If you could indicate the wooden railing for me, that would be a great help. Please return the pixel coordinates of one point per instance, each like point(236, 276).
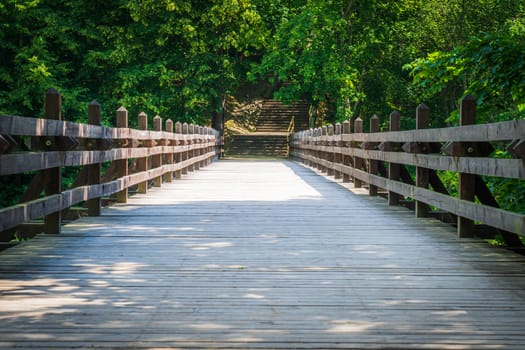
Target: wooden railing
point(379, 159)
point(138, 157)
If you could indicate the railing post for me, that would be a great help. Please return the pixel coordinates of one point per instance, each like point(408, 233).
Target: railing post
point(205, 134)
point(394, 170)
point(93, 170)
point(358, 162)
point(142, 163)
point(122, 164)
point(338, 158)
point(197, 151)
point(330, 154)
point(157, 158)
point(422, 174)
point(53, 176)
point(178, 155)
point(187, 144)
point(346, 158)
point(323, 154)
point(191, 131)
point(168, 157)
point(373, 167)
point(467, 182)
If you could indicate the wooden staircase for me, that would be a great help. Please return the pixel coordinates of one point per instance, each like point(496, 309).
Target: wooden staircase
point(274, 122)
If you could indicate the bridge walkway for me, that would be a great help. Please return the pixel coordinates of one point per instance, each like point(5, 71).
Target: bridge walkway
point(259, 254)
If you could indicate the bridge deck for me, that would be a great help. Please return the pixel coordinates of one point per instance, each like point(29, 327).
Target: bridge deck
point(265, 254)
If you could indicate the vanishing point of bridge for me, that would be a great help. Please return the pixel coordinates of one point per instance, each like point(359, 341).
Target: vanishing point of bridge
point(264, 254)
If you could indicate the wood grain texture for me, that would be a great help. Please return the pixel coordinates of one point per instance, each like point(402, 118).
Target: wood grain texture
point(263, 255)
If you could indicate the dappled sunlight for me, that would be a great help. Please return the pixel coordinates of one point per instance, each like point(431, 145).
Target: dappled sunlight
point(118, 268)
point(209, 326)
point(253, 296)
point(352, 326)
point(206, 246)
point(258, 260)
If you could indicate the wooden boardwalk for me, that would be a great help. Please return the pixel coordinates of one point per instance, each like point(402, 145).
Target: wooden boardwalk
point(259, 254)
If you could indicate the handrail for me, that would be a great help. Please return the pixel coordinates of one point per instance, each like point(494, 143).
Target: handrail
point(379, 159)
point(159, 156)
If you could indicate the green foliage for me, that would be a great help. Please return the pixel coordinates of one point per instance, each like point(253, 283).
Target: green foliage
point(173, 58)
point(491, 67)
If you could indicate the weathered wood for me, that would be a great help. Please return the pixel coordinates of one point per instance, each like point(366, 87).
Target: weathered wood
point(393, 168)
point(422, 174)
point(156, 160)
point(501, 219)
point(498, 167)
point(94, 205)
point(485, 197)
point(346, 158)
point(330, 156)
point(143, 162)
point(122, 164)
point(517, 149)
point(207, 264)
point(53, 176)
point(373, 167)
point(358, 162)
point(502, 131)
point(467, 182)
point(168, 158)
point(7, 144)
point(186, 154)
point(178, 156)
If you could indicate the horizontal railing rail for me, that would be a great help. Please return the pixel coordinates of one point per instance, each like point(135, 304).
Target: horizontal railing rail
point(136, 157)
point(379, 159)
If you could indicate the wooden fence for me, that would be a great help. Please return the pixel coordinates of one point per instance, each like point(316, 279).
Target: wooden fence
point(138, 157)
point(379, 159)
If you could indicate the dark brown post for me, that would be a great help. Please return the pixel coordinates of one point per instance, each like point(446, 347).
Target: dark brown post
point(358, 162)
point(338, 158)
point(394, 170)
point(187, 144)
point(93, 170)
point(122, 164)
point(191, 132)
point(323, 155)
point(197, 151)
point(168, 157)
point(142, 163)
point(205, 133)
point(467, 182)
point(330, 154)
point(346, 159)
point(53, 176)
point(157, 159)
point(373, 167)
point(178, 155)
point(422, 174)
point(309, 143)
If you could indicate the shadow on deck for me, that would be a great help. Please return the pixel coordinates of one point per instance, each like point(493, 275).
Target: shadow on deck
point(270, 256)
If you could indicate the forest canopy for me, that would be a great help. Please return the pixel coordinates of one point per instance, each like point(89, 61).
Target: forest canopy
point(180, 58)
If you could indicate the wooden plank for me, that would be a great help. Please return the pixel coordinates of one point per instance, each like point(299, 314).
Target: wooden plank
point(497, 167)
point(302, 263)
point(498, 218)
point(26, 126)
point(24, 212)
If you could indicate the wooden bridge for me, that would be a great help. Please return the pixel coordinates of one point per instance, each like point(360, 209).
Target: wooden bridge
point(260, 254)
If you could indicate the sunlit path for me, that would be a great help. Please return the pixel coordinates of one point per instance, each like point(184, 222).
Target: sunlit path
point(259, 254)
